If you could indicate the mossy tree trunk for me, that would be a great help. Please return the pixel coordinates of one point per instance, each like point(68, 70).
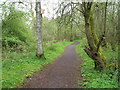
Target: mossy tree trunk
point(93, 49)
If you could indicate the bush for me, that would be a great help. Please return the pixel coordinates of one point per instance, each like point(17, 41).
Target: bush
point(15, 31)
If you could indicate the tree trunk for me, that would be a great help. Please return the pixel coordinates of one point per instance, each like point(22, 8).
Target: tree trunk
point(104, 33)
point(118, 22)
point(40, 51)
point(93, 41)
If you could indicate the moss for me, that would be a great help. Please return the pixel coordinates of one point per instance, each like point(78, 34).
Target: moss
point(92, 38)
point(113, 65)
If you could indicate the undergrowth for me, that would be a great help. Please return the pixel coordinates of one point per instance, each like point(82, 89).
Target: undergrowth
point(93, 78)
point(17, 66)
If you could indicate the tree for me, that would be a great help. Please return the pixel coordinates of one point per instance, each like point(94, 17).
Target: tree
point(40, 51)
point(15, 31)
point(94, 39)
point(93, 49)
point(118, 27)
point(70, 21)
point(106, 23)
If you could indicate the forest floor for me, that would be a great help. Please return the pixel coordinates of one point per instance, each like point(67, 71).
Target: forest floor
point(64, 72)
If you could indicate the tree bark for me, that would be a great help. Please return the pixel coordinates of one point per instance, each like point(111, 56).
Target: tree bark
point(92, 39)
point(40, 51)
point(104, 33)
point(119, 21)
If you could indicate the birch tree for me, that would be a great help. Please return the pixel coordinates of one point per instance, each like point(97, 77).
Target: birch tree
point(40, 50)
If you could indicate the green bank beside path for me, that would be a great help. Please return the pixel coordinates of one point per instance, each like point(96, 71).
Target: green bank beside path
point(17, 67)
point(93, 78)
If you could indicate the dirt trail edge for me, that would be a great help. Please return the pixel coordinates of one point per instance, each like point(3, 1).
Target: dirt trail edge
point(63, 73)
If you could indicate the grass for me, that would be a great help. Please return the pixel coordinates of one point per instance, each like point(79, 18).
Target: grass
point(93, 78)
point(17, 66)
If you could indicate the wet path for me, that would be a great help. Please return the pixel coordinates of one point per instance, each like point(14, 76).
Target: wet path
point(63, 73)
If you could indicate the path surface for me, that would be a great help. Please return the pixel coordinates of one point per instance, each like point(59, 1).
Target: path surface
point(63, 73)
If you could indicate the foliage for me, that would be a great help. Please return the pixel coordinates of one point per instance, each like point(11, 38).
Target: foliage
point(18, 66)
point(19, 45)
point(15, 30)
point(49, 29)
point(70, 23)
point(93, 78)
point(111, 22)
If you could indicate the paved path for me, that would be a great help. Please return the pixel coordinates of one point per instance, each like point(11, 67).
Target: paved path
point(63, 73)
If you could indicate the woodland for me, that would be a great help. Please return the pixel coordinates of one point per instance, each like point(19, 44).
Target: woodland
point(31, 41)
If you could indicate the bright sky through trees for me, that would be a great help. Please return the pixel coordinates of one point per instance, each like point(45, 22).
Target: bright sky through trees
point(50, 6)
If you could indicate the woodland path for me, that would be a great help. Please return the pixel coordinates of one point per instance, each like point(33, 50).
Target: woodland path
point(63, 73)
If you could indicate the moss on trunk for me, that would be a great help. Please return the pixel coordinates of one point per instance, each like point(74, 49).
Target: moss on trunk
point(92, 39)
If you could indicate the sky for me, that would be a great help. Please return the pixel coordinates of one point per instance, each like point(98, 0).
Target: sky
point(50, 6)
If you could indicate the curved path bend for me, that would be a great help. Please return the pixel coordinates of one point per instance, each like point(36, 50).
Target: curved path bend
point(63, 73)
